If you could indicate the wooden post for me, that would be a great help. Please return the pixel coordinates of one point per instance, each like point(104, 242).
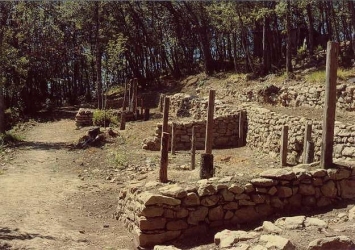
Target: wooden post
point(142, 104)
point(309, 157)
point(283, 149)
point(326, 160)
point(209, 123)
point(161, 102)
point(166, 114)
point(163, 173)
point(164, 128)
point(146, 114)
point(307, 138)
point(173, 135)
point(123, 121)
point(241, 129)
point(193, 149)
point(124, 104)
point(206, 169)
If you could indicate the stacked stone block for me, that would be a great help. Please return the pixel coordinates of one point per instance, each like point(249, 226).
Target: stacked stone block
point(173, 211)
point(225, 133)
point(264, 133)
point(84, 117)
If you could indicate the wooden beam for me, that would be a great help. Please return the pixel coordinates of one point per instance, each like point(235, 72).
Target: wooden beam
point(283, 149)
point(209, 123)
point(326, 160)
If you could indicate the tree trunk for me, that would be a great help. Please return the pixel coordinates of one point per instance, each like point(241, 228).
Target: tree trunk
point(288, 44)
point(98, 58)
point(2, 110)
point(310, 30)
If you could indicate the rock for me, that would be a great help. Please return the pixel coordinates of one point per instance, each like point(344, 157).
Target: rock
point(347, 189)
point(246, 214)
point(148, 240)
point(352, 213)
point(151, 223)
point(206, 189)
point(277, 242)
point(295, 222)
point(216, 213)
point(337, 242)
point(263, 182)
point(176, 225)
point(209, 201)
point(152, 211)
point(147, 199)
point(315, 222)
point(227, 195)
point(271, 228)
point(329, 189)
point(157, 247)
point(306, 189)
point(284, 192)
point(227, 238)
point(279, 174)
point(197, 215)
point(236, 189)
point(173, 191)
point(191, 199)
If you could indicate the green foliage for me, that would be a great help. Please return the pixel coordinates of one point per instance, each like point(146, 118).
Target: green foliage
point(344, 74)
point(105, 118)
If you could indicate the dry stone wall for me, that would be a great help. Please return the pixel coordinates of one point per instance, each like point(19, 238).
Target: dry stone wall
point(225, 133)
point(308, 96)
point(264, 133)
point(158, 215)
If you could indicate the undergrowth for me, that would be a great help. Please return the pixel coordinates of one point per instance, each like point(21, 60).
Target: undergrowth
point(105, 118)
point(9, 138)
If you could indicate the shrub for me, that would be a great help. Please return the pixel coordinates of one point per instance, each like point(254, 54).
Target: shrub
point(9, 138)
point(105, 118)
point(316, 77)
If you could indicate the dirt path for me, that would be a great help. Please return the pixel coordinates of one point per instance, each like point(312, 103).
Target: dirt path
point(43, 203)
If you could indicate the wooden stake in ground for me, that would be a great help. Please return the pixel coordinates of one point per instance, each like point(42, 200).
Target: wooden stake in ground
point(241, 129)
point(193, 148)
point(130, 92)
point(161, 102)
point(209, 123)
point(309, 152)
point(166, 114)
point(173, 135)
point(146, 114)
point(206, 169)
point(124, 104)
point(163, 173)
point(326, 160)
point(283, 149)
point(123, 121)
point(307, 138)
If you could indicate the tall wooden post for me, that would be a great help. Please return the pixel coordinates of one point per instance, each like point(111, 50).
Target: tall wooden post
point(161, 102)
point(241, 129)
point(193, 149)
point(326, 160)
point(124, 104)
point(283, 149)
point(307, 138)
point(209, 123)
point(163, 173)
point(123, 121)
point(173, 139)
point(166, 114)
point(165, 117)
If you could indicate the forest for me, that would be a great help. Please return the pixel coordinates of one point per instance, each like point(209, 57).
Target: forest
point(73, 51)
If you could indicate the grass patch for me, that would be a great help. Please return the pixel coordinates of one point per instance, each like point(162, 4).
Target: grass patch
point(344, 74)
point(237, 77)
point(316, 77)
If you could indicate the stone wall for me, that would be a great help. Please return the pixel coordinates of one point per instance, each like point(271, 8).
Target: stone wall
point(225, 133)
point(158, 215)
point(308, 96)
point(264, 133)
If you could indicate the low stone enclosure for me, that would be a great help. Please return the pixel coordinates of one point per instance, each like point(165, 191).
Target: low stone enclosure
point(262, 130)
point(159, 213)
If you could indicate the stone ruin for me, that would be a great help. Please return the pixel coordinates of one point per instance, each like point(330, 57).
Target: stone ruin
point(84, 117)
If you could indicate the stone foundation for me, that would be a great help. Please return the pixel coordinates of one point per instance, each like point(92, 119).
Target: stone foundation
point(161, 213)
